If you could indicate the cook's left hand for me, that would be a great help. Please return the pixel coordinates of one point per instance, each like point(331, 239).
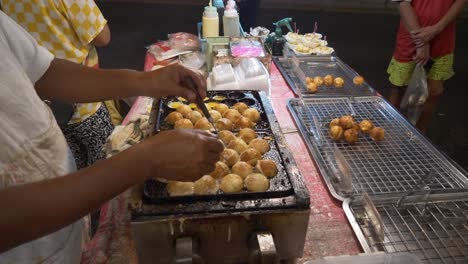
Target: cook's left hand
point(424, 35)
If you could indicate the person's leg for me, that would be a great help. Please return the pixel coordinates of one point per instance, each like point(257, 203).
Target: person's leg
point(396, 95)
point(435, 89)
point(399, 76)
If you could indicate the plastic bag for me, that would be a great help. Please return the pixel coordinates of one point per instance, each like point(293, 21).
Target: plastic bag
point(183, 41)
point(415, 95)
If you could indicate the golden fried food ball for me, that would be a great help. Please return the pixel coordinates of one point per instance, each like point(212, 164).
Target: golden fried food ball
point(194, 116)
point(336, 133)
point(312, 87)
point(184, 109)
point(230, 157)
point(366, 126)
point(335, 122)
point(226, 136)
point(346, 122)
point(351, 136)
point(267, 168)
point(232, 183)
point(318, 81)
point(328, 80)
point(260, 144)
point(247, 134)
point(232, 114)
point(257, 182)
point(309, 80)
point(356, 127)
point(377, 133)
point(215, 115)
point(221, 108)
point(203, 124)
point(251, 156)
point(358, 80)
point(183, 123)
point(339, 82)
point(224, 124)
point(221, 169)
point(206, 185)
point(238, 145)
point(243, 122)
point(252, 114)
point(173, 117)
point(177, 188)
point(241, 107)
point(242, 169)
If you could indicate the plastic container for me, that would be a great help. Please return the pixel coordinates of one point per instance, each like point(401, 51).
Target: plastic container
point(374, 258)
point(231, 20)
point(210, 22)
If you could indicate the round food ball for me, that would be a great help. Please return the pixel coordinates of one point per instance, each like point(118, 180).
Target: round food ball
point(339, 82)
point(260, 144)
point(221, 108)
point(215, 115)
point(351, 136)
point(247, 134)
point(203, 124)
point(238, 145)
point(242, 169)
point(173, 117)
point(309, 80)
point(335, 122)
point(336, 133)
point(366, 126)
point(230, 157)
point(224, 124)
point(312, 87)
point(183, 123)
point(206, 185)
point(226, 136)
point(194, 116)
point(221, 169)
point(318, 81)
point(241, 107)
point(232, 114)
point(257, 182)
point(252, 114)
point(232, 183)
point(267, 168)
point(377, 133)
point(251, 156)
point(177, 188)
point(243, 122)
point(358, 80)
point(184, 109)
point(346, 122)
point(328, 80)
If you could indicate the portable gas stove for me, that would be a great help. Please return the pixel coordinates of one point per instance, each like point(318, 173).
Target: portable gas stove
point(262, 227)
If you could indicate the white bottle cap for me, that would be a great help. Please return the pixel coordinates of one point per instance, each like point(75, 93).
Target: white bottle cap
point(230, 10)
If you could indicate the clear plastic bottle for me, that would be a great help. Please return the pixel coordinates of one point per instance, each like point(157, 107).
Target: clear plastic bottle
point(231, 20)
point(210, 22)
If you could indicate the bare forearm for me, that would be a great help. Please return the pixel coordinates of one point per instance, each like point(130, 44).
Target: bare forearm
point(408, 16)
point(452, 13)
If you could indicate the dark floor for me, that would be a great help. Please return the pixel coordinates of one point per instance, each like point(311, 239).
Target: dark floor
point(364, 41)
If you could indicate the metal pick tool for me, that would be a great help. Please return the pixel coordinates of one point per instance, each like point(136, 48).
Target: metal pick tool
point(199, 101)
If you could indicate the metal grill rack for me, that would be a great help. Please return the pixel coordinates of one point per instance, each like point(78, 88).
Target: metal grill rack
point(398, 164)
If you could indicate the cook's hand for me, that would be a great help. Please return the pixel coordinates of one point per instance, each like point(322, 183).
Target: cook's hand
point(422, 55)
point(182, 154)
point(424, 35)
point(172, 81)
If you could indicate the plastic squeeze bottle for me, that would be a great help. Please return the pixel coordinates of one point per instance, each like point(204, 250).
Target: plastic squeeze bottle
point(231, 20)
point(210, 22)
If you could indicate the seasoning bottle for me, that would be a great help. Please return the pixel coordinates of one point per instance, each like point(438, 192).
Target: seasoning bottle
point(210, 22)
point(231, 20)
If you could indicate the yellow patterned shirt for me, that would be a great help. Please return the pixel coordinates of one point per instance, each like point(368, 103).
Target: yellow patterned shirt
point(65, 27)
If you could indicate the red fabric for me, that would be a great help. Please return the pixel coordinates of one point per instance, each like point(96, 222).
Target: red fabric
point(429, 12)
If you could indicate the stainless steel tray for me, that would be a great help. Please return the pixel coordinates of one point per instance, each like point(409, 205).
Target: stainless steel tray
point(404, 161)
point(296, 69)
point(434, 228)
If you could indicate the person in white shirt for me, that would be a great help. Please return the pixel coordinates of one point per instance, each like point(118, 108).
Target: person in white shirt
point(42, 197)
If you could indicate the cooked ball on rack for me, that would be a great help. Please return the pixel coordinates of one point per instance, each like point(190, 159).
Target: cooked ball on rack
point(377, 133)
point(173, 117)
point(194, 116)
point(339, 82)
point(356, 127)
point(366, 126)
point(252, 114)
point(251, 156)
point(232, 114)
point(257, 182)
point(312, 87)
point(328, 80)
point(346, 122)
point(211, 105)
point(224, 124)
point(358, 80)
point(226, 136)
point(247, 134)
point(215, 115)
point(238, 145)
point(184, 109)
point(241, 107)
point(183, 123)
point(243, 122)
point(335, 122)
point(206, 185)
point(242, 169)
point(177, 188)
point(309, 80)
point(336, 133)
point(318, 81)
point(260, 144)
point(267, 168)
point(221, 169)
point(232, 183)
point(351, 136)
point(221, 108)
point(203, 124)
point(230, 156)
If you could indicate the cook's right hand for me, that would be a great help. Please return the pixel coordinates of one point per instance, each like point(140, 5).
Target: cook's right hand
point(183, 154)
